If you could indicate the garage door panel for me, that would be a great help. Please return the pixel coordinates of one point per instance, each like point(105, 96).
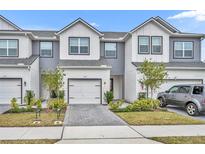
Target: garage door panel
point(10, 88)
point(84, 91)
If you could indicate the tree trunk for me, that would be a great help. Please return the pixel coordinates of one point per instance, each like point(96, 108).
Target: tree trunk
point(151, 92)
point(147, 88)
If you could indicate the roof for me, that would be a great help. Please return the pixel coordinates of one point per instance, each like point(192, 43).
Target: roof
point(77, 21)
point(177, 64)
point(43, 33)
point(82, 62)
point(114, 35)
point(149, 20)
point(17, 61)
point(10, 23)
point(166, 24)
point(51, 34)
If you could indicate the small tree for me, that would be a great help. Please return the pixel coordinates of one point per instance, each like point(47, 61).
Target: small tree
point(53, 80)
point(153, 75)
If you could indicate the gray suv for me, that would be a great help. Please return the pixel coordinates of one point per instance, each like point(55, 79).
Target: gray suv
point(189, 96)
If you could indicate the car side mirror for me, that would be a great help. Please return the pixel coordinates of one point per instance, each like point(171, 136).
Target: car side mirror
point(167, 91)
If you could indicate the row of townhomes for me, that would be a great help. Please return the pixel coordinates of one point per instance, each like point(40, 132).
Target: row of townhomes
point(94, 61)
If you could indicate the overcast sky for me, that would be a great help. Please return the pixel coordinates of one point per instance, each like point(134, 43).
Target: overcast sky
point(186, 21)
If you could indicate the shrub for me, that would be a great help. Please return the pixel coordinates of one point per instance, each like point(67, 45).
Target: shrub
point(143, 105)
point(142, 95)
point(39, 104)
point(61, 94)
point(55, 104)
point(14, 105)
point(108, 96)
point(115, 105)
point(29, 98)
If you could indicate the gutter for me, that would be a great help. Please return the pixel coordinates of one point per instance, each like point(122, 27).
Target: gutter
point(15, 66)
point(182, 68)
point(86, 67)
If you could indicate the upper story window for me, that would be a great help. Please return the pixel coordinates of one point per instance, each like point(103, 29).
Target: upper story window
point(183, 49)
point(156, 44)
point(79, 45)
point(46, 49)
point(8, 48)
point(143, 44)
point(110, 50)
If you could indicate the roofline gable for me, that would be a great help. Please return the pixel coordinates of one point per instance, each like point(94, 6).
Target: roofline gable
point(10, 23)
point(168, 24)
point(146, 22)
point(83, 22)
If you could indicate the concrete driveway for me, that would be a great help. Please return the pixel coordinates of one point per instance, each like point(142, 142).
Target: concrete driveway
point(4, 108)
point(91, 115)
point(182, 111)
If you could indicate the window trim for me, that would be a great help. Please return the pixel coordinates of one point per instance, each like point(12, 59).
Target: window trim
point(174, 57)
point(17, 54)
point(161, 48)
point(85, 54)
point(110, 57)
point(145, 53)
point(40, 50)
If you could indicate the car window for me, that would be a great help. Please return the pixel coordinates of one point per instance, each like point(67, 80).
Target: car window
point(198, 90)
point(184, 89)
point(173, 89)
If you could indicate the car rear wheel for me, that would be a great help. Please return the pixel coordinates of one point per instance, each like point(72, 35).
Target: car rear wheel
point(162, 102)
point(192, 109)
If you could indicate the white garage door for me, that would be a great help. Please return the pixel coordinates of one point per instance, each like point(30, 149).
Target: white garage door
point(84, 91)
point(169, 83)
point(10, 88)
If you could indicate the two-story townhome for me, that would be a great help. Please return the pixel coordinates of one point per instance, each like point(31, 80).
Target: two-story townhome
point(93, 61)
point(19, 68)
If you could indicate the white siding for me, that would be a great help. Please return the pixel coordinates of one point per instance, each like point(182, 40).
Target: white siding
point(130, 73)
point(5, 26)
point(25, 44)
point(103, 74)
point(150, 29)
point(34, 76)
point(80, 30)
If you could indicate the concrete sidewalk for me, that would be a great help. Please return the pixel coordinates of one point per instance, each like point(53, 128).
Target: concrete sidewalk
point(20, 133)
point(170, 130)
point(99, 132)
point(110, 141)
point(110, 134)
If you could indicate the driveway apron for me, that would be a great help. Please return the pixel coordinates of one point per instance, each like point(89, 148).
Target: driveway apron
point(91, 115)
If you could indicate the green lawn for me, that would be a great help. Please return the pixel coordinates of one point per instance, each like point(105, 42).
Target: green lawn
point(26, 119)
point(181, 140)
point(157, 118)
point(42, 141)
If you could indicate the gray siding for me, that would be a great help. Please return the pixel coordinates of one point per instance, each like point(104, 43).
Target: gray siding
point(117, 63)
point(197, 50)
point(47, 63)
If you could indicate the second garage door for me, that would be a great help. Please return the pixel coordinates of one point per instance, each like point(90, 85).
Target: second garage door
point(84, 91)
